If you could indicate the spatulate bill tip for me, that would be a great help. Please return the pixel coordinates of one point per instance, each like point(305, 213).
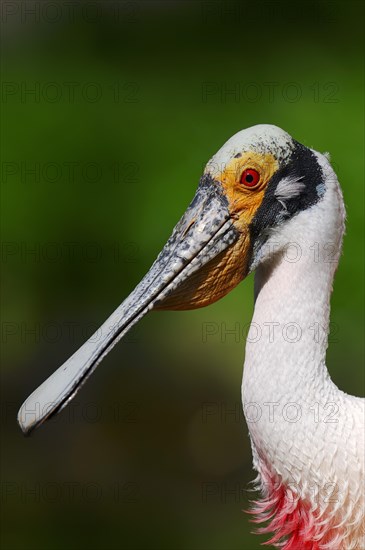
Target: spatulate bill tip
point(26, 428)
point(31, 416)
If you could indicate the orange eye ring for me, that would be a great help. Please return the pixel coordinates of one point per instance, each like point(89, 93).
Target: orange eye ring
point(250, 178)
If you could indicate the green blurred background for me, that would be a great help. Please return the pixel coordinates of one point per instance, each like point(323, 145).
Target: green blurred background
point(110, 111)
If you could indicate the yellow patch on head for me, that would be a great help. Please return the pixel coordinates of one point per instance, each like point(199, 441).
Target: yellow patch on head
point(244, 202)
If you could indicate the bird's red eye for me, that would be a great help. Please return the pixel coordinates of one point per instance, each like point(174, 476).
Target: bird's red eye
point(250, 178)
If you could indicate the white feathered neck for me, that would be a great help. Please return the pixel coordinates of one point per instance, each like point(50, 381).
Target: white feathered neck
point(305, 432)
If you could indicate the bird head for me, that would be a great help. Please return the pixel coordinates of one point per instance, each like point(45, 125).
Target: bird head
point(252, 187)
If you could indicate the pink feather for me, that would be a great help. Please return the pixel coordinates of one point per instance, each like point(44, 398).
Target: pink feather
point(295, 526)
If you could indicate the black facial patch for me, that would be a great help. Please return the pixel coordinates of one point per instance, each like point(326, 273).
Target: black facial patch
point(302, 165)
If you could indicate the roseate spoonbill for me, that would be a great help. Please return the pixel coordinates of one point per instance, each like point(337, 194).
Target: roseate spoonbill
point(261, 193)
